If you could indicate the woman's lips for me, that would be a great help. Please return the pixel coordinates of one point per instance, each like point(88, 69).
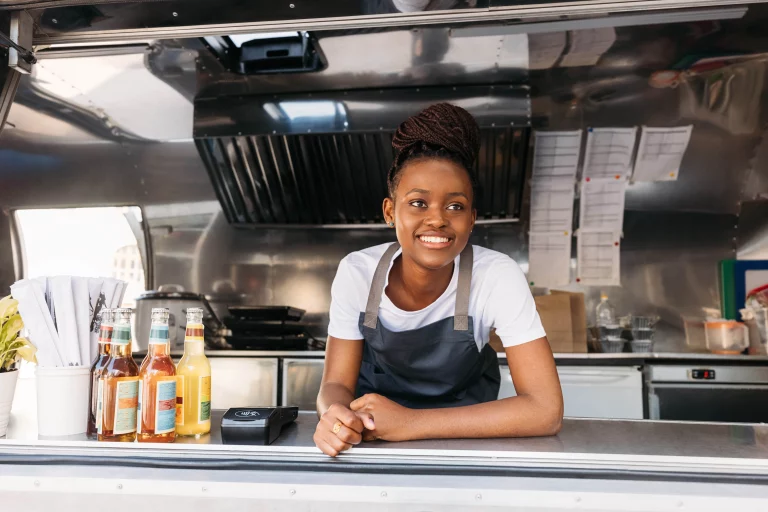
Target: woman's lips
point(435, 242)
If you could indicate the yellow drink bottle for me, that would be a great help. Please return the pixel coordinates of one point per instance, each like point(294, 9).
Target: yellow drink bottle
point(193, 390)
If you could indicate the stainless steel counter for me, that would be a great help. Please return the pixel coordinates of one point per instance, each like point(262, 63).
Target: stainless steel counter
point(590, 465)
point(629, 357)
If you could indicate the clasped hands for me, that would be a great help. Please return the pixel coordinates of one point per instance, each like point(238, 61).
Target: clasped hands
point(370, 417)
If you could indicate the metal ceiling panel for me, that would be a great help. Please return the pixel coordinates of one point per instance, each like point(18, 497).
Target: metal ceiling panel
point(354, 111)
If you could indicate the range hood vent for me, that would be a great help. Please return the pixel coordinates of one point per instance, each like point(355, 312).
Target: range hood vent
point(339, 180)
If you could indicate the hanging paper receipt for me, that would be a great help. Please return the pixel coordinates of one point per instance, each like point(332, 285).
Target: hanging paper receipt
point(549, 259)
point(661, 153)
point(602, 205)
point(556, 155)
point(598, 258)
point(609, 152)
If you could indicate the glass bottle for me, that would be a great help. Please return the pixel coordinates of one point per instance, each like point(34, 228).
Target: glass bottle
point(606, 314)
point(157, 385)
point(102, 358)
point(120, 384)
point(193, 402)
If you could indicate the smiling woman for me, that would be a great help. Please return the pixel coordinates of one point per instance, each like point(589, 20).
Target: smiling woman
point(408, 355)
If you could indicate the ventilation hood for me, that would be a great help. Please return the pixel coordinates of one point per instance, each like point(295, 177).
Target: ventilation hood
point(321, 159)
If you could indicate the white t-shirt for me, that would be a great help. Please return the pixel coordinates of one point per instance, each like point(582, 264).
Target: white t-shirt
point(499, 298)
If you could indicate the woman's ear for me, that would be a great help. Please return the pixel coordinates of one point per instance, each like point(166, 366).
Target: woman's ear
point(388, 207)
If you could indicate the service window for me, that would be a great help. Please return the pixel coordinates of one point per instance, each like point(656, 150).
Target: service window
point(88, 242)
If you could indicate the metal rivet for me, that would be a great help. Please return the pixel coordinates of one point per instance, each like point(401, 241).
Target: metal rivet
point(292, 491)
point(239, 133)
point(291, 6)
point(274, 132)
point(383, 494)
point(478, 497)
point(175, 14)
point(54, 21)
point(346, 123)
point(493, 124)
point(119, 486)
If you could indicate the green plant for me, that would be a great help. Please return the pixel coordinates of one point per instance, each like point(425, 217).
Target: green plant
point(12, 346)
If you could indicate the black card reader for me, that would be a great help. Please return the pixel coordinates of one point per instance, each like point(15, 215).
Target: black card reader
point(255, 425)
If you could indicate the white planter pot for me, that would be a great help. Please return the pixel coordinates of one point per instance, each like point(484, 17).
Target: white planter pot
point(7, 389)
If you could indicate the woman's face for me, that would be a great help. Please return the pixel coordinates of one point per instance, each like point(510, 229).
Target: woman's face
point(432, 211)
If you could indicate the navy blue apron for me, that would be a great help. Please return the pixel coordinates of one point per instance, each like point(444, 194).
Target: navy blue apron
point(434, 366)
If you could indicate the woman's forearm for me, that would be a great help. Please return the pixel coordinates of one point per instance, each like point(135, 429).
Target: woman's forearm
point(333, 393)
point(519, 416)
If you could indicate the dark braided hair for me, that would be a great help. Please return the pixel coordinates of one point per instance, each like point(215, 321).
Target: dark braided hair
point(440, 131)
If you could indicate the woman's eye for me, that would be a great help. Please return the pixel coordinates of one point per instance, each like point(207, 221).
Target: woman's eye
point(456, 206)
point(418, 203)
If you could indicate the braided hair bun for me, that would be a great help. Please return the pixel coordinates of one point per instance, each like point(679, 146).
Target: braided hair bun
point(440, 131)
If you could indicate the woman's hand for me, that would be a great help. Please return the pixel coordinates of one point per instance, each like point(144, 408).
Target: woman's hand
point(393, 421)
point(340, 428)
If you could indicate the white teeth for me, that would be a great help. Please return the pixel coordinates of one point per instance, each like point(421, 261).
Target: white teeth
point(434, 239)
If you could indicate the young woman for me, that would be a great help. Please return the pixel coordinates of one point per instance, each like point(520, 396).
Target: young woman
point(407, 354)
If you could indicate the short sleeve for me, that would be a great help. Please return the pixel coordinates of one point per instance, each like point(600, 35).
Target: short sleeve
point(510, 307)
point(345, 304)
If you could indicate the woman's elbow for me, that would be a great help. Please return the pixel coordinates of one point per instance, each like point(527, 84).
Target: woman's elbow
point(552, 419)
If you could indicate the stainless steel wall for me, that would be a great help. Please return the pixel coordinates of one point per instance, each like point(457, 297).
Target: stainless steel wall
point(674, 232)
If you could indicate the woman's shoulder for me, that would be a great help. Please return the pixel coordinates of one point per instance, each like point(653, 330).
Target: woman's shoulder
point(485, 258)
point(491, 266)
point(362, 264)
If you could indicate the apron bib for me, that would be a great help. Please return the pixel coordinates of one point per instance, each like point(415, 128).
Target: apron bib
point(434, 366)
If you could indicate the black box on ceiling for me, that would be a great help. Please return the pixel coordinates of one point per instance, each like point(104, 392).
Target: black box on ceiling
point(280, 55)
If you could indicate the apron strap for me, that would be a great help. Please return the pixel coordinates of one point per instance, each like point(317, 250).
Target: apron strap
point(461, 313)
point(377, 287)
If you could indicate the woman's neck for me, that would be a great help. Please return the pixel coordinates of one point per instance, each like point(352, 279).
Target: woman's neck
point(413, 287)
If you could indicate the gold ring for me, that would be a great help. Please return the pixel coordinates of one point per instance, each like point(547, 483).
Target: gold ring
point(336, 427)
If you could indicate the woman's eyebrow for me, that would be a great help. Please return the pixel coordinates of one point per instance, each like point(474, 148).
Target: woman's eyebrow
point(458, 194)
point(418, 191)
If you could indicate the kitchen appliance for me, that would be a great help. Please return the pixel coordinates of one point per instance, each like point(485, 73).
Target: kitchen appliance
point(266, 328)
point(256, 425)
point(707, 393)
point(177, 300)
point(614, 392)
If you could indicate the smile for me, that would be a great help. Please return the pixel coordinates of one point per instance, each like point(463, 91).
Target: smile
point(435, 242)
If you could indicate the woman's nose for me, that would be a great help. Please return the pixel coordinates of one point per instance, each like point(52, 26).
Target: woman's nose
point(435, 218)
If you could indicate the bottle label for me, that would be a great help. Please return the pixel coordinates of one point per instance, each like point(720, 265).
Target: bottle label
point(159, 334)
point(138, 407)
point(126, 403)
point(99, 406)
point(165, 407)
point(204, 407)
point(105, 334)
point(121, 334)
point(194, 332)
point(179, 400)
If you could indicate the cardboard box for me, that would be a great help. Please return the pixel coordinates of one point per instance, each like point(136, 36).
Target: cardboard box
point(563, 315)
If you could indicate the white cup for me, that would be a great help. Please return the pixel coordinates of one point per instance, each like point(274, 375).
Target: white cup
point(62, 400)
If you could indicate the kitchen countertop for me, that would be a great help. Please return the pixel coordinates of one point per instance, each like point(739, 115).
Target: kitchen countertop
point(581, 358)
point(692, 450)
